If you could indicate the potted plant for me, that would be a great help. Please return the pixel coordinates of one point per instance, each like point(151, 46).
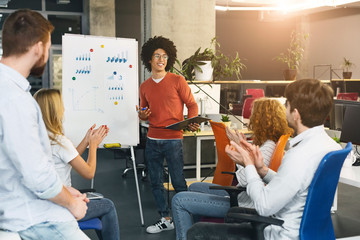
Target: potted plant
point(226, 120)
point(212, 63)
point(200, 65)
point(346, 66)
point(293, 55)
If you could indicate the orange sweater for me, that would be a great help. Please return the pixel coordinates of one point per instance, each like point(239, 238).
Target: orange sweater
point(166, 101)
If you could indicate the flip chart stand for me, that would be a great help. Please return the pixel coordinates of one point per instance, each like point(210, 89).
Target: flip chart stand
point(135, 176)
point(137, 185)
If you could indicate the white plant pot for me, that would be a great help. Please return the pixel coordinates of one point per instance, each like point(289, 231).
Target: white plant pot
point(207, 71)
point(227, 124)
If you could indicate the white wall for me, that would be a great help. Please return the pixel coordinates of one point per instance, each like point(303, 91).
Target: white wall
point(333, 35)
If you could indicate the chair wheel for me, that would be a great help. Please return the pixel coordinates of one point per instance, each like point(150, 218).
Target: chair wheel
point(124, 175)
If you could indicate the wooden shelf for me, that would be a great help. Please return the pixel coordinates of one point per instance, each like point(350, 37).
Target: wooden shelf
point(346, 80)
point(268, 82)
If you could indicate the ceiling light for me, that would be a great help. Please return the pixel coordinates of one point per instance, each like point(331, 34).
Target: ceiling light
point(284, 6)
point(221, 8)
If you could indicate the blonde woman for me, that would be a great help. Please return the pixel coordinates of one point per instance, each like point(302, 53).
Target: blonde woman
point(267, 122)
point(66, 157)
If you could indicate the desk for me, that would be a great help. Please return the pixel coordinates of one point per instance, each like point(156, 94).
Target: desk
point(350, 175)
point(206, 134)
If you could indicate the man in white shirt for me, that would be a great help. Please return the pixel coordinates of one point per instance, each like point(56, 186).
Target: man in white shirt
point(308, 104)
point(33, 201)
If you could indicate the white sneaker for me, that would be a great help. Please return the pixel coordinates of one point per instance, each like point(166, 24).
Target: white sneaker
point(161, 225)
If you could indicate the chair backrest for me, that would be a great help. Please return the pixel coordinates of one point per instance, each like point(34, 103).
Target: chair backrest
point(93, 223)
point(316, 221)
point(278, 153)
point(353, 96)
point(255, 92)
point(224, 162)
point(248, 104)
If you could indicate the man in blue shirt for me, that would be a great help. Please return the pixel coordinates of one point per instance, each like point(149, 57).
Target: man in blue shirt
point(33, 201)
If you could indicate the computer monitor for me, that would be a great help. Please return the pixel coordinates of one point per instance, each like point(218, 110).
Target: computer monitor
point(338, 112)
point(350, 131)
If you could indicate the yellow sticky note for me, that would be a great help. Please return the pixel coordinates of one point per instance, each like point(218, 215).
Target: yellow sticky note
point(112, 145)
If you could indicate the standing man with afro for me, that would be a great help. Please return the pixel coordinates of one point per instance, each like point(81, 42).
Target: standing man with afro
point(162, 99)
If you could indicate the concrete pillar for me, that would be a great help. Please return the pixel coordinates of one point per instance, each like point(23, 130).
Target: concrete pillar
point(102, 17)
point(189, 23)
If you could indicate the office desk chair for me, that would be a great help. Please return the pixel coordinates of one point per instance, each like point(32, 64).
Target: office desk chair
point(224, 162)
point(93, 223)
point(278, 153)
point(316, 221)
point(274, 164)
point(255, 92)
point(140, 157)
point(248, 105)
point(352, 96)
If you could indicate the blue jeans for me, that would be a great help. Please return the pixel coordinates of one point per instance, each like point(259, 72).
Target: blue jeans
point(172, 151)
point(199, 200)
point(104, 209)
point(55, 231)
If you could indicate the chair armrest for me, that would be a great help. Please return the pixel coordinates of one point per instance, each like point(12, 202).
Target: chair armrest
point(229, 188)
point(241, 214)
point(233, 191)
point(245, 217)
point(87, 190)
point(243, 210)
point(231, 173)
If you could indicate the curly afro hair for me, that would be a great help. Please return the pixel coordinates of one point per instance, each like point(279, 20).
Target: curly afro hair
point(155, 43)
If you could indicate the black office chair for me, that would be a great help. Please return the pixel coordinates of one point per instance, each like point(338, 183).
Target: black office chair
point(140, 163)
point(316, 221)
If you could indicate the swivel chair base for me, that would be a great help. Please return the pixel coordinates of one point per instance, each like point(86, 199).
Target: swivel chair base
point(140, 166)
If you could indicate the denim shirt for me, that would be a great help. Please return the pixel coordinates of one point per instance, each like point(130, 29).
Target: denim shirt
point(27, 174)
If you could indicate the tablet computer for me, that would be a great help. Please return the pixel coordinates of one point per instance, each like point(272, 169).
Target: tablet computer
point(183, 124)
point(94, 195)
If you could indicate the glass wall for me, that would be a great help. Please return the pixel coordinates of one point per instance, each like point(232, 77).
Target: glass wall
point(67, 16)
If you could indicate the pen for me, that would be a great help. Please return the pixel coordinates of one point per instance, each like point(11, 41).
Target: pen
point(144, 108)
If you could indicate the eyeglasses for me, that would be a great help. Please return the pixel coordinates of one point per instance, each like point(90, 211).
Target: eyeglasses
point(158, 56)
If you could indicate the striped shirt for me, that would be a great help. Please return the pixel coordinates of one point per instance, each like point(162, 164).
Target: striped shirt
point(266, 150)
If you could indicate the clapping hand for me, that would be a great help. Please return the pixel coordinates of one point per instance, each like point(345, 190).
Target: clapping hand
point(247, 154)
point(98, 135)
point(234, 135)
point(88, 133)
